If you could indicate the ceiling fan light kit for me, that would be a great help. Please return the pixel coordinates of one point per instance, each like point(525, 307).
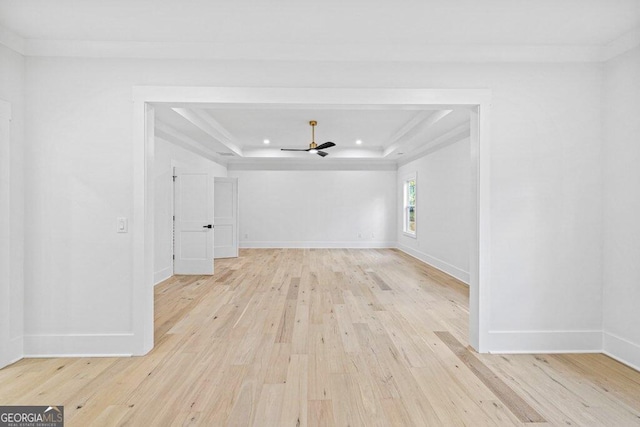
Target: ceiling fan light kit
point(313, 147)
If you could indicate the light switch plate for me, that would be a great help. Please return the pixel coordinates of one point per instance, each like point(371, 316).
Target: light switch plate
point(122, 225)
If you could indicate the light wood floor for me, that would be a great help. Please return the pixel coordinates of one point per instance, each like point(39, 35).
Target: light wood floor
point(323, 337)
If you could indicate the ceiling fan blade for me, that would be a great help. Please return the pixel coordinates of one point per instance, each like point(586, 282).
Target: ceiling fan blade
point(322, 153)
point(294, 149)
point(325, 145)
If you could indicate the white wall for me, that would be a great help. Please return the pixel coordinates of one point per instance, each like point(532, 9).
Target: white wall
point(167, 156)
point(443, 233)
point(546, 190)
point(293, 208)
point(12, 75)
point(621, 202)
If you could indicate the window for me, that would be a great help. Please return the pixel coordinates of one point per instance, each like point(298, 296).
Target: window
point(409, 192)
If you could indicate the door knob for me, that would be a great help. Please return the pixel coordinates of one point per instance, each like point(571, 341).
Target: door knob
point(207, 226)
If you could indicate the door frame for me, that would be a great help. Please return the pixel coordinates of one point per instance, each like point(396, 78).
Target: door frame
point(478, 100)
point(236, 208)
point(11, 314)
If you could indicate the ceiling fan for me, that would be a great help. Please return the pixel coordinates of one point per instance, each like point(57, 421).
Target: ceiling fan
point(313, 147)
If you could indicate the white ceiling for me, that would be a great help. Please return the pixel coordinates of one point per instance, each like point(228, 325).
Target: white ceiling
point(237, 135)
point(413, 30)
point(450, 22)
point(290, 128)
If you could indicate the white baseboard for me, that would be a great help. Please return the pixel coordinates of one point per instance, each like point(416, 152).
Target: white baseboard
point(624, 351)
point(162, 275)
point(13, 353)
point(361, 244)
point(451, 270)
point(79, 345)
point(16, 346)
point(11, 361)
point(545, 342)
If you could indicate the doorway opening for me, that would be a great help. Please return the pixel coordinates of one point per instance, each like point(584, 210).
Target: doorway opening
point(225, 212)
point(477, 101)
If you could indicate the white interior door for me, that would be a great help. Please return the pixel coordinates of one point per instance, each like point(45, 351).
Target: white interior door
point(226, 218)
point(193, 222)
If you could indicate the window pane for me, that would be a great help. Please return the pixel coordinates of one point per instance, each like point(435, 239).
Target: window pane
point(411, 188)
point(412, 219)
point(409, 225)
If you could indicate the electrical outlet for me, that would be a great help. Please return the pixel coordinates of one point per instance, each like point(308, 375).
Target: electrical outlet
point(246, 235)
point(359, 235)
point(373, 235)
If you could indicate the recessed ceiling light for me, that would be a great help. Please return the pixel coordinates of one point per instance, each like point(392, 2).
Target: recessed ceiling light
point(266, 141)
point(358, 141)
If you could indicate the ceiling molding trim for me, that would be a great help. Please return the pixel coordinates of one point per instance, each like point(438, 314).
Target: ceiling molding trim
point(310, 165)
point(379, 98)
point(314, 106)
point(208, 124)
point(413, 122)
point(169, 134)
point(322, 52)
point(12, 41)
point(450, 137)
point(622, 44)
point(418, 123)
point(348, 153)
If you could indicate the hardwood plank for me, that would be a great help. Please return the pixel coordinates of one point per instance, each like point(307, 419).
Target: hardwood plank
point(294, 407)
point(285, 330)
point(318, 387)
point(300, 335)
point(294, 287)
point(320, 414)
point(278, 364)
point(378, 280)
point(521, 409)
point(270, 405)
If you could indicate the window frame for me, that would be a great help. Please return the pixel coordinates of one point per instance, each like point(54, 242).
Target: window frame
point(405, 205)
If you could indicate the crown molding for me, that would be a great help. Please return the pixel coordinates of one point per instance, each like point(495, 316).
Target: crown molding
point(169, 134)
point(412, 128)
point(450, 137)
point(299, 52)
point(304, 52)
point(281, 164)
point(200, 119)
